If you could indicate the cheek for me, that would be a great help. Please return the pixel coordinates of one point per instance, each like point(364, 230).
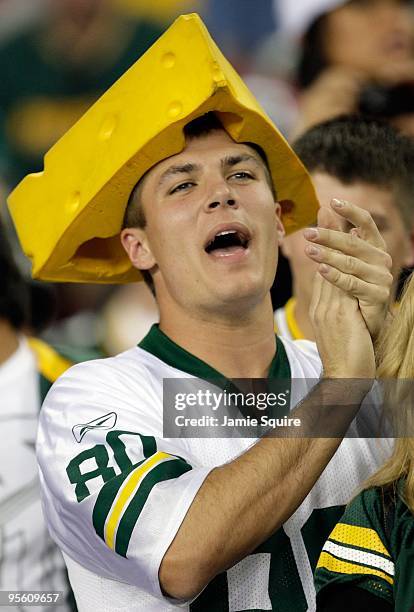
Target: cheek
point(346, 38)
point(161, 242)
point(300, 263)
point(170, 232)
point(397, 244)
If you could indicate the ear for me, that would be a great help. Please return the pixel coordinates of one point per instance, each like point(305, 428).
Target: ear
point(135, 242)
point(279, 225)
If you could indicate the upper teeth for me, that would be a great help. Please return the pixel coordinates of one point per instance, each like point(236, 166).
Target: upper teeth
point(226, 232)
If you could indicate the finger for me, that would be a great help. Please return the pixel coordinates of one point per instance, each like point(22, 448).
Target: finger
point(349, 244)
point(350, 265)
point(361, 219)
point(360, 289)
point(333, 302)
point(316, 295)
point(322, 296)
point(328, 219)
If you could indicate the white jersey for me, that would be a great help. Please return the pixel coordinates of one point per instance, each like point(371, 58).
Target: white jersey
point(115, 492)
point(29, 560)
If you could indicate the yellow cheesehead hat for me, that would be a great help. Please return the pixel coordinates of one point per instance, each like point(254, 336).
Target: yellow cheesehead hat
point(69, 216)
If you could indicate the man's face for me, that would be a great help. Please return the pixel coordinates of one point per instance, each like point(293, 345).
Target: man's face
point(377, 201)
point(212, 231)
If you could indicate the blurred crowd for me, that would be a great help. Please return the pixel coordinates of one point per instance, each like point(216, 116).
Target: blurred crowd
point(306, 62)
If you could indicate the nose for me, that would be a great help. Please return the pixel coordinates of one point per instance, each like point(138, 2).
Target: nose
point(221, 195)
point(216, 204)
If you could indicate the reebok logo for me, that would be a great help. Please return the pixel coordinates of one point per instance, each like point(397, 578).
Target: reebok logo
point(104, 422)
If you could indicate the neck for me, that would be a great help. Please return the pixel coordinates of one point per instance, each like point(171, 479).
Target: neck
point(9, 341)
point(238, 347)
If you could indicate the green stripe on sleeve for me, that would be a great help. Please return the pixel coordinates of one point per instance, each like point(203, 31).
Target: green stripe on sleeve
point(164, 471)
point(106, 498)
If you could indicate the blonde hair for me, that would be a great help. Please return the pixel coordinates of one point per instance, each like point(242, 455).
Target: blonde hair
point(396, 362)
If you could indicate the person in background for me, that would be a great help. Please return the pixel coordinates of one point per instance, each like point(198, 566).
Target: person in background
point(341, 57)
point(29, 560)
point(368, 561)
point(355, 55)
point(366, 162)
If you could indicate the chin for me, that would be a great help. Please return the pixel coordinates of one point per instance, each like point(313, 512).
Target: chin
point(246, 291)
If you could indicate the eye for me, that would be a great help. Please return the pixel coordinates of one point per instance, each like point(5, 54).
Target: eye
point(242, 175)
point(182, 187)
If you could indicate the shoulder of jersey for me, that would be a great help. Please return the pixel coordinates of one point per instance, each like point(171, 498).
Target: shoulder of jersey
point(53, 362)
point(358, 544)
point(303, 350)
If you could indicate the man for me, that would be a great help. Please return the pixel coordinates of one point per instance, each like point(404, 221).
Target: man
point(150, 522)
point(29, 560)
point(370, 164)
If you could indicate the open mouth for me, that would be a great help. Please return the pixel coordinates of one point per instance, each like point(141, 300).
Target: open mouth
point(228, 242)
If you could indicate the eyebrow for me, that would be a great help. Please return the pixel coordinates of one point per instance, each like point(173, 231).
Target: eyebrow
point(226, 162)
point(233, 160)
point(177, 170)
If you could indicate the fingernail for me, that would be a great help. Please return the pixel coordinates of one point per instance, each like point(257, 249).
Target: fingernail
point(323, 269)
point(311, 233)
point(313, 250)
point(338, 203)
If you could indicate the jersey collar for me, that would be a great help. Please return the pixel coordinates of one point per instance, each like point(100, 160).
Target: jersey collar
point(161, 346)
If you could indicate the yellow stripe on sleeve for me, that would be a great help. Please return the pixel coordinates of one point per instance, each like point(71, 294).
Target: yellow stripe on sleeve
point(338, 566)
point(127, 490)
point(364, 537)
point(51, 365)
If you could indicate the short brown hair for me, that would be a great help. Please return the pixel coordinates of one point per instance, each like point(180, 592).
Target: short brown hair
point(355, 148)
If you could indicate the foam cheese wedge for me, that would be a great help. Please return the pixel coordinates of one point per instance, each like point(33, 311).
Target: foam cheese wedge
point(68, 217)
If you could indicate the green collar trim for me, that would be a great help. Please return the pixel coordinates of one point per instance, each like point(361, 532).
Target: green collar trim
point(160, 345)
